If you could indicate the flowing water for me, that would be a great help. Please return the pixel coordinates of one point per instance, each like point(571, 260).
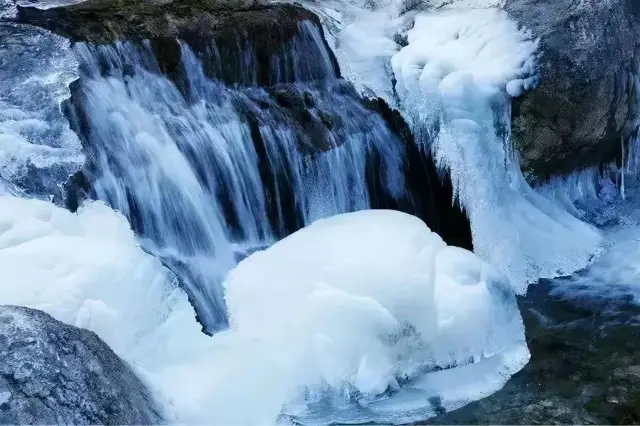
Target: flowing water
point(213, 170)
point(223, 156)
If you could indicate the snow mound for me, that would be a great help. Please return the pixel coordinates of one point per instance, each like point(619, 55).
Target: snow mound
point(367, 313)
point(373, 315)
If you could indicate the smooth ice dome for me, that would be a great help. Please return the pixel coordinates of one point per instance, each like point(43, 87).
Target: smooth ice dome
point(367, 305)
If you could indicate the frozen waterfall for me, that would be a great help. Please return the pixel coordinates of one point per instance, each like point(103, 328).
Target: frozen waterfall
point(452, 71)
point(206, 183)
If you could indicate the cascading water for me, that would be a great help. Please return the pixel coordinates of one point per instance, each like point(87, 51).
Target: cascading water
point(363, 317)
point(213, 170)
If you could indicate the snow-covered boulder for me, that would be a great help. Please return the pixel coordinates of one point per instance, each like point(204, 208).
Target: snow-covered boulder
point(54, 373)
point(375, 318)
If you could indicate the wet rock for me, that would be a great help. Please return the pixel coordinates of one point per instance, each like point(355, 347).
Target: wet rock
point(53, 373)
point(240, 41)
point(587, 98)
point(312, 125)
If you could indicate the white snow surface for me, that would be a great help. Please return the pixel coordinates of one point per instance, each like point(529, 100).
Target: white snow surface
point(357, 304)
point(365, 304)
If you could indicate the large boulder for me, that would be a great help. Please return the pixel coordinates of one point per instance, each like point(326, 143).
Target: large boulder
point(586, 101)
point(53, 373)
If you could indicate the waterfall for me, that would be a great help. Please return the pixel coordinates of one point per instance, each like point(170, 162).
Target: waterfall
point(206, 170)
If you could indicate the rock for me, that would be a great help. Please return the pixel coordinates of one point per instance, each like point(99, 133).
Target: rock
point(240, 41)
point(53, 373)
point(313, 127)
point(586, 101)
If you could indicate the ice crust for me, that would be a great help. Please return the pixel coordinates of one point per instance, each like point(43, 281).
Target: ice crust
point(38, 150)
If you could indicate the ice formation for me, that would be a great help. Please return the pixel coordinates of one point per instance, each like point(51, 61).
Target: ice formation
point(369, 304)
point(365, 308)
point(455, 79)
point(456, 66)
point(587, 194)
point(38, 151)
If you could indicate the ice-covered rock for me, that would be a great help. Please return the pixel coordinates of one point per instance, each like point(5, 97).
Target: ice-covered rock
point(455, 79)
point(374, 315)
point(54, 373)
point(38, 150)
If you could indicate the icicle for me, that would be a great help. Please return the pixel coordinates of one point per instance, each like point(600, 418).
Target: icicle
point(622, 194)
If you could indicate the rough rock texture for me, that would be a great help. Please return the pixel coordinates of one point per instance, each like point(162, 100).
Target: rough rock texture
point(247, 37)
point(53, 373)
point(586, 101)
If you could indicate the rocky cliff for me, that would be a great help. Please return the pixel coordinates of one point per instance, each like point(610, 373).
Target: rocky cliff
point(588, 97)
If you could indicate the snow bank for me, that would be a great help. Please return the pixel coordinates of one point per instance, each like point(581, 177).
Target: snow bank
point(362, 308)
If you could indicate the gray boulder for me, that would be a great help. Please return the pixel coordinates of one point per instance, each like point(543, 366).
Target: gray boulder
point(53, 373)
point(587, 98)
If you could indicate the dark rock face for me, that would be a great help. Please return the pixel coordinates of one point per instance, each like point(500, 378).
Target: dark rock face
point(53, 373)
point(587, 98)
point(429, 190)
point(250, 40)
